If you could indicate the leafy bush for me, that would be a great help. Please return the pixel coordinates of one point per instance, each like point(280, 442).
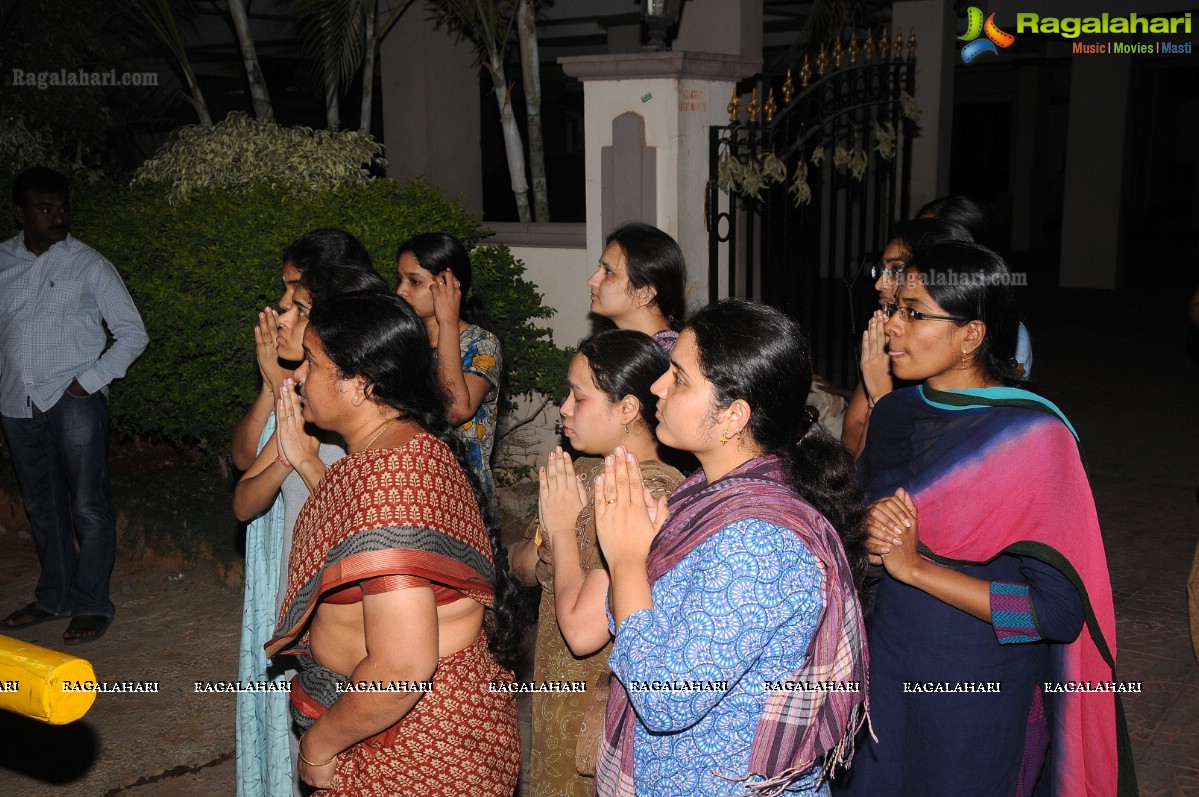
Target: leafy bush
point(201, 268)
point(24, 144)
point(240, 152)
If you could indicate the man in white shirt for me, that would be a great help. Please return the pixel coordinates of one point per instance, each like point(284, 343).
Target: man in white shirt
point(56, 295)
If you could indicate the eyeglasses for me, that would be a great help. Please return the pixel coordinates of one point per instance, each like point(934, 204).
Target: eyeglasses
point(893, 273)
point(909, 315)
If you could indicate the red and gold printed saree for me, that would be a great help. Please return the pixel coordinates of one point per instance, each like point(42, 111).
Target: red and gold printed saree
point(408, 514)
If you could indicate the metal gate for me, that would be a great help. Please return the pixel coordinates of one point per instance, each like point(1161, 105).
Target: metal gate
point(802, 198)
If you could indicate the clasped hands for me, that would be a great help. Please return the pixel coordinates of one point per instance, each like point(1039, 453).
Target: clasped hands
point(875, 362)
point(627, 516)
point(560, 496)
point(894, 535)
point(266, 350)
point(295, 444)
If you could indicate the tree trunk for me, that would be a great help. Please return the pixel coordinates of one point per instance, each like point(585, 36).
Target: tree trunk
point(512, 142)
point(526, 28)
point(332, 105)
point(368, 71)
point(197, 97)
point(161, 19)
point(258, 92)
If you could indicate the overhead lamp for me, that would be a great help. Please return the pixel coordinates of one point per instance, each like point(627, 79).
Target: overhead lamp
point(660, 16)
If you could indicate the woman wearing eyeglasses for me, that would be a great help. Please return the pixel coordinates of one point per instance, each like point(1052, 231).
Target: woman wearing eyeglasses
point(875, 364)
point(995, 583)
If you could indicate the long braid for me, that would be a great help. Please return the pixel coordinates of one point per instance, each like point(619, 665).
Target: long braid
point(510, 610)
point(755, 353)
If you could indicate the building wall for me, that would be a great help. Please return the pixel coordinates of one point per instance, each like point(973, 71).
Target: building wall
point(561, 276)
point(430, 97)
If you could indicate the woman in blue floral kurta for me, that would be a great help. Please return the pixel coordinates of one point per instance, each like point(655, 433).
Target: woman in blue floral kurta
point(737, 613)
point(734, 605)
point(435, 278)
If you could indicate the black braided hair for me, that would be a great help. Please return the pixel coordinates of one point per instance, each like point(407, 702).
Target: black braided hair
point(625, 362)
point(756, 353)
point(981, 290)
point(379, 337)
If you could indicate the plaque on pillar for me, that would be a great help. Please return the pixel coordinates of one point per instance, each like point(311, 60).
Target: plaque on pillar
point(647, 121)
point(628, 188)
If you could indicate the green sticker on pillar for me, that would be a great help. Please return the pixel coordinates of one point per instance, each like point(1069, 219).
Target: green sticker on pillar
point(646, 97)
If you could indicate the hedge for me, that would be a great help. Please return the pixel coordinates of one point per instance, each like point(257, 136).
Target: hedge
point(200, 270)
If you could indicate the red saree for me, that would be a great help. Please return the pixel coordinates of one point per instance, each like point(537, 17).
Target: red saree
point(408, 513)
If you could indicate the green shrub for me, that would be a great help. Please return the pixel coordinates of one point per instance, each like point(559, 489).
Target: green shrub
point(239, 152)
point(199, 271)
point(24, 144)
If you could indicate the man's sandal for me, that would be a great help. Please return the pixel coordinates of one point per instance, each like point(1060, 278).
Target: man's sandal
point(27, 616)
point(86, 628)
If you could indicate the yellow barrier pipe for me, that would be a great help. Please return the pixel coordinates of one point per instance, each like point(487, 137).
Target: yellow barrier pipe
point(32, 678)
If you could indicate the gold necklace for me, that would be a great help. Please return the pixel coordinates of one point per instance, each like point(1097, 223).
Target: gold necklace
point(379, 433)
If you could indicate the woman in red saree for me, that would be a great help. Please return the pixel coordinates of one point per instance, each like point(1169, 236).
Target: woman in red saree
point(395, 603)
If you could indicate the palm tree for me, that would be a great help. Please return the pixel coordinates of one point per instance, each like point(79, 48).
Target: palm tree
point(258, 93)
point(160, 16)
point(342, 37)
point(530, 62)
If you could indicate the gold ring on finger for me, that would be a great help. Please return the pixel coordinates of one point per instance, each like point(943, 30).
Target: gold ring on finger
point(611, 500)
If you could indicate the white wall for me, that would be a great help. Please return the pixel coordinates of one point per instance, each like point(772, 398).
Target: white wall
point(431, 115)
point(561, 276)
point(679, 95)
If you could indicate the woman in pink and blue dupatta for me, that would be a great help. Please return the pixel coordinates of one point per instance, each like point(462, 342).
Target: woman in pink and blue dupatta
point(995, 604)
point(739, 661)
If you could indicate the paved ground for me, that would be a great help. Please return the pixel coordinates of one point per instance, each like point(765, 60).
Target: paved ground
point(169, 631)
point(1128, 389)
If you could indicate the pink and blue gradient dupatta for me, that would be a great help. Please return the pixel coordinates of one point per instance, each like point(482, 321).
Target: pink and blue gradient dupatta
point(998, 471)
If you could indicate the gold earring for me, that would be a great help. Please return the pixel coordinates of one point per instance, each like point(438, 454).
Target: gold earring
point(626, 428)
point(724, 436)
point(964, 363)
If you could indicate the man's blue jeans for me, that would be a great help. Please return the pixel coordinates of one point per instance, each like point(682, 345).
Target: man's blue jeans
point(61, 459)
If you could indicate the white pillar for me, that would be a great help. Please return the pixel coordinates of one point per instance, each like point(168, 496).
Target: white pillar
point(679, 95)
point(936, 51)
point(1095, 138)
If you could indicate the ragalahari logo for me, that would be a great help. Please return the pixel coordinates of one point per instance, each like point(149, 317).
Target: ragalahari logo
point(975, 27)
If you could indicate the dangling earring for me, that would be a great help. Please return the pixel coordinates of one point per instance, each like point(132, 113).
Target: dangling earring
point(964, 363)
point(724, 436)
point(626, 428)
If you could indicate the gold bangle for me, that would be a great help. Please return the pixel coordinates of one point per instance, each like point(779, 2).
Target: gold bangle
point(300, 753)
